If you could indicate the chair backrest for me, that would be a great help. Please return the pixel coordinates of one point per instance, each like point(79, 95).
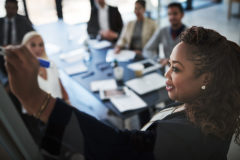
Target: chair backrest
point(234, 151)
point(230, 2)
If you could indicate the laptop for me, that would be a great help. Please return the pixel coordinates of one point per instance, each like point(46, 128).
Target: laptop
point(147, 83)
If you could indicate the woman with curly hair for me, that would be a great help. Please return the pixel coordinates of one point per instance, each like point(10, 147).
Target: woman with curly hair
point(203, 78)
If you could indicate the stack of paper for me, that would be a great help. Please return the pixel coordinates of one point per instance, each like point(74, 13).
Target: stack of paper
point(75, 69)
point(52, 48)
point(129, 102)
point(74, 56)
point(148, 65)
point(103, 85)
point(99, 44)
point(147, 83)
point(123, 56)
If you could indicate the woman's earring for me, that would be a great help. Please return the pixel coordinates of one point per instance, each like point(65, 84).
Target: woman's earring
point(203, 87)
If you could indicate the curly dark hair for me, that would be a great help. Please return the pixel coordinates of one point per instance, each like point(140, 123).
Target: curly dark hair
point(217, 110)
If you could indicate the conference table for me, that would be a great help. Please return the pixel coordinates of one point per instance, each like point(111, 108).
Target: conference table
point(99, 69)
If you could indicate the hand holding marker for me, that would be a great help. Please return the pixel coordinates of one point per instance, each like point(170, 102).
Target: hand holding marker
point(43, 63)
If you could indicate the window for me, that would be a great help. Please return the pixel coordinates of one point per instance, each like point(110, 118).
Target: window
point(42, 11)
point(76, 11)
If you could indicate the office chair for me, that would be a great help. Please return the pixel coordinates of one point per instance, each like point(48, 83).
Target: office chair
point(230, 2)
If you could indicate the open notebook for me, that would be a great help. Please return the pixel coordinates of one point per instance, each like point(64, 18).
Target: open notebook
point(128, 102)
point(148, 83)
point(15, 140)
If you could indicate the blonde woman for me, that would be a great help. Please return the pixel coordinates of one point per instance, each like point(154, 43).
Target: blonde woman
point(48, 78)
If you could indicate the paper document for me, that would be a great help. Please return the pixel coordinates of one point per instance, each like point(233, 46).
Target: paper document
point(147, 83)
point(52, 48)
point(74, 56)
point(123, 56)
point(103, 85)
point(148, 65)
point(110, 93)
point(75, 69)
point(99, 44)
point(129, 102)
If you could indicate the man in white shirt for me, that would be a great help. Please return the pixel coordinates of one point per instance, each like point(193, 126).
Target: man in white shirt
point(105, 21)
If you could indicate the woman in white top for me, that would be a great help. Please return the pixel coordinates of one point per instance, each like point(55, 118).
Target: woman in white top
point(48, 78)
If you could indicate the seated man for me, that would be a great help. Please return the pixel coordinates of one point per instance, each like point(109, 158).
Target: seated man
point(105, 21)
point(136, 33)
point(13, 26)
point(12, 29)
point(168, 36)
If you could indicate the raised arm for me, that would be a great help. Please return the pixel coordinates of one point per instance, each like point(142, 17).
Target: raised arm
point(81, 133)
point(22, 69)
point(99, 139)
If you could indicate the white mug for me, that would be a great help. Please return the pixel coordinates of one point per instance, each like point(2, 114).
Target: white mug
point(118, 72)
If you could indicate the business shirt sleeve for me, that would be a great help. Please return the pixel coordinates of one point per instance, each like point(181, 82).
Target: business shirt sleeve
point(170, 139)
point(92, 3)
point(151, 48)
point(122, 41)
point(95, 140)
point(119, 21)
point(173, 142)
point(29, 26)
point(154, 27)
point(93, 25)
point(24, 24)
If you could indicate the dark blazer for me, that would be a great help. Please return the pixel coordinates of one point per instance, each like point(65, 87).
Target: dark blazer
point(172, 138)
point(115, 21)
point(23, 25)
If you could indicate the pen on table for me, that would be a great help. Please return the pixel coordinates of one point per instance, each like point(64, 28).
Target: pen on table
point(43, 63)
point(88, 75)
